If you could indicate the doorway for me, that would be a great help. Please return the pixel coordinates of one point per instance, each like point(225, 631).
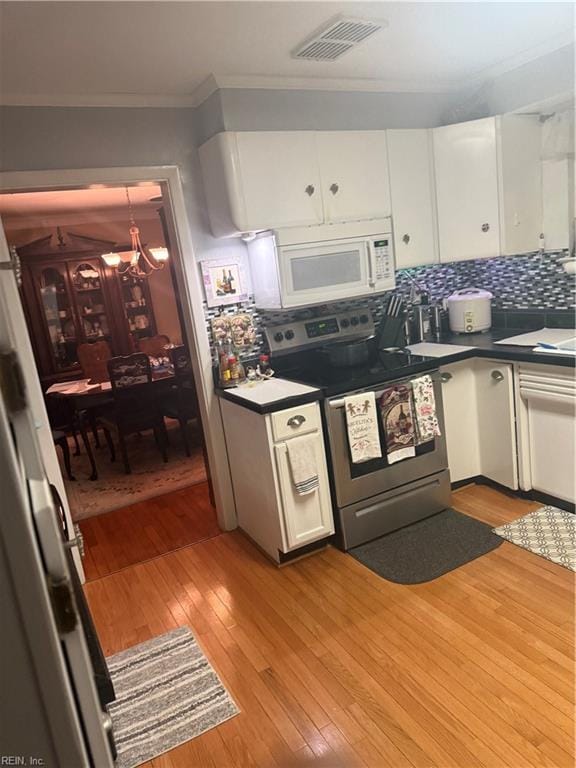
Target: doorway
point(140, 489)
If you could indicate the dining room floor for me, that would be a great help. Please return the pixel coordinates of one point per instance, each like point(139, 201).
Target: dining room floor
point(150, 476)
point(333, 666)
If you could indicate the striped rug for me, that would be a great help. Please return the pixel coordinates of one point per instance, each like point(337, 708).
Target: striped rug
point(166, 693)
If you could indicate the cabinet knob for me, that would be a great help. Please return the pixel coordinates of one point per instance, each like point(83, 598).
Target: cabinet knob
point(497, 376)
point(310, 190)
point(334, 188)
point(444, 377)
point(406, 238)
point(296, 421)
point(485, 227)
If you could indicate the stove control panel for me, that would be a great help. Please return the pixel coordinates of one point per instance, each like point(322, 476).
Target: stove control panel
point(316, 331)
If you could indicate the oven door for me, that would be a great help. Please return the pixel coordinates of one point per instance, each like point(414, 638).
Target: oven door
point(357, 482)
point(322, 272)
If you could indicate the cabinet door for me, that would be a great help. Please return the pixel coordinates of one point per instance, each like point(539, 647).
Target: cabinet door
point(56, 308)
point(354, 173)
point(279, 179)
point(460, 420)
point(465, 159)
point(521, 183)
point(413, 197)
point(496, 422)
point(556, 203)
point(306, 518)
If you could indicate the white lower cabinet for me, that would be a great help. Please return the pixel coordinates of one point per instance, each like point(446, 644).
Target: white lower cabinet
point(546, 407)
point(480, 421)
point(269, 509)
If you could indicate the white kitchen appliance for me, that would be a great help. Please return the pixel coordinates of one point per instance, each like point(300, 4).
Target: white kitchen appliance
point(302, 266)
point(470, 310)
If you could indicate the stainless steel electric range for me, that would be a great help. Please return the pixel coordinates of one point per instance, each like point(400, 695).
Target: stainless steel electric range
point(374, 497)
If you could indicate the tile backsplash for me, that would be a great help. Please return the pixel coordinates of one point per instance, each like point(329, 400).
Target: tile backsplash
point(530, 281)
point(533, 281)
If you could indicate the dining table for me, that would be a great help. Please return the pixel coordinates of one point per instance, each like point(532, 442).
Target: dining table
point(83, 398)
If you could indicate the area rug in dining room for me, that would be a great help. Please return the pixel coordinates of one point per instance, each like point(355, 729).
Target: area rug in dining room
point(150, 476)
point(166, 694)
point(548, 532)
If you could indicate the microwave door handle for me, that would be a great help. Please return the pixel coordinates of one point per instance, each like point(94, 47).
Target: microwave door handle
point(371, 266)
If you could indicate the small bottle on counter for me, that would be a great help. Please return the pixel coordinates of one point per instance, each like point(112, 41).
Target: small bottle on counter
point(237, 374)
point(223, 367)
point(264, 365)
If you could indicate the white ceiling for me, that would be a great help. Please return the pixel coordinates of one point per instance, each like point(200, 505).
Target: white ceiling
point(161, 53)
point(100, 200)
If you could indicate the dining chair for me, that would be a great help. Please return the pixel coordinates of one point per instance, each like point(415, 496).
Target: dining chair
point(180, 401)
point(155, 346)
point(135, 407)
point(93, 359)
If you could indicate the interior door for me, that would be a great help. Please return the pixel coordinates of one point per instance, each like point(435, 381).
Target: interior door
point(354, 172)
point(466, 164)
point(309, 517)
point(496, 422)
point(63, 713)
point(279, 178)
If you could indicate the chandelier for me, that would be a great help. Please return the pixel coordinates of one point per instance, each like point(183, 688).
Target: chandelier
point(137, 262)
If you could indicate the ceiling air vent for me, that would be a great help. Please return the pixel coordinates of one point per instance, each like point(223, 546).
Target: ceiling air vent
point(336, 38)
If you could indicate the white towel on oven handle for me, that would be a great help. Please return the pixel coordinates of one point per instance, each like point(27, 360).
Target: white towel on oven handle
point(362, 426)
point(303, 463)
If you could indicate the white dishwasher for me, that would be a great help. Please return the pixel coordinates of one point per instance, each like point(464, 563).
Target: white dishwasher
point(547, 429)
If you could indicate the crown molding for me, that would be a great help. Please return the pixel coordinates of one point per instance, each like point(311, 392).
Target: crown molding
point(367, 85)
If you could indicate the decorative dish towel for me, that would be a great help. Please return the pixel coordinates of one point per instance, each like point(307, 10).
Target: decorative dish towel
point(427, 427)
point(362, 424)
point(398, 423)
point(303, 466)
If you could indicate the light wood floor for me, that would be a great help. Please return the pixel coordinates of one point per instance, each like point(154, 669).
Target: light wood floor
point(332, 666)
point(147, 529)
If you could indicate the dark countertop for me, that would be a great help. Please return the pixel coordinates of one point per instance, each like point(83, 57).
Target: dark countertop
point(391, 366)
point(484, 346)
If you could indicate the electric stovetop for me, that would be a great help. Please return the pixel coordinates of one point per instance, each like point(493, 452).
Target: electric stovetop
point(310, 368)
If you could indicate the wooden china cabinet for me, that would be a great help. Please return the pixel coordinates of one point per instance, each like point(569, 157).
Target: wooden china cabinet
point(71, 297)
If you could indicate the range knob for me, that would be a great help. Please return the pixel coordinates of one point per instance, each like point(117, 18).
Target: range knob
point(354, 320)
point(345, 323)
point(364, 319)
point(279, 336)
point(289, 335)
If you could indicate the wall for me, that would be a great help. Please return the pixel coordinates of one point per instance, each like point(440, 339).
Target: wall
point(36, 138)
point(547, 80)
point(270, 110)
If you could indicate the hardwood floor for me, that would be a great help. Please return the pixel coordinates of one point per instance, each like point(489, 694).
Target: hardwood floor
point(332, 666)
point(147, 529)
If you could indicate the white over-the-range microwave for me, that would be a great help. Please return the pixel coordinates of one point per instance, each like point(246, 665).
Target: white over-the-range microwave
point(302, 266)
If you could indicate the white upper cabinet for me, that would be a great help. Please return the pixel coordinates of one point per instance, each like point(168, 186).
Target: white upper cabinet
point(258, 180)
point(354, 173)
point(520, 181)
point(255, 180)
point(465, 158)
point(410, 160)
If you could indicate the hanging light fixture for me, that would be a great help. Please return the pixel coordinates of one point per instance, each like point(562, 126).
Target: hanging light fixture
point(136, 262)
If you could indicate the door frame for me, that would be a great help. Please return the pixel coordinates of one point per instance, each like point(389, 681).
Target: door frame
point(191, 296)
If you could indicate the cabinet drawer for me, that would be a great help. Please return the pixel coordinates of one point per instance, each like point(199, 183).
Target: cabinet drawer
point(295, 421)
